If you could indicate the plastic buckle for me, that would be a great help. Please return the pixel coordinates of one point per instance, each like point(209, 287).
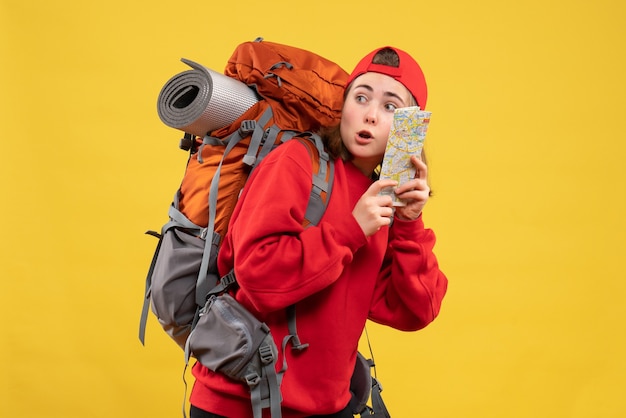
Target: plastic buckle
point(228, 279)
point(266, 354)
point(252, 379)
point(247, 126)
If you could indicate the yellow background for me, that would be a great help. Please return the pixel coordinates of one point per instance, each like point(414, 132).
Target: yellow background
point(526, 150)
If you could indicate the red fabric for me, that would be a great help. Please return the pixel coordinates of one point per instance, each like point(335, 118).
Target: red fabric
point(337, 276)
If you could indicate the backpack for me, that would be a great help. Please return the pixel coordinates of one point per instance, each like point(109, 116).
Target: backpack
point(269, 93)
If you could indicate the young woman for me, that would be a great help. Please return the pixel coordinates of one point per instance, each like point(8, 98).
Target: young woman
point(356, 264)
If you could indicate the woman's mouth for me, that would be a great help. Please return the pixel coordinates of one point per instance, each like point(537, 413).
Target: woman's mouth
point(363, 137)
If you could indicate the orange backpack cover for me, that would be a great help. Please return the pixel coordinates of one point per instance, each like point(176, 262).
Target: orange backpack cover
point(303, 91)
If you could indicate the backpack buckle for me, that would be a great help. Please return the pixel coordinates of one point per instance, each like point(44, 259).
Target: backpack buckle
point(246, 127)
point(228, 279)
point(266, 354)
point(252, 379)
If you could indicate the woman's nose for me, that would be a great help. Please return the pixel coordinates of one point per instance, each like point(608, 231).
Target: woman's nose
point(370, 116)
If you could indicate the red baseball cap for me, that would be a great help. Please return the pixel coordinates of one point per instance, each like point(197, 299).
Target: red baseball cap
point(408, 73)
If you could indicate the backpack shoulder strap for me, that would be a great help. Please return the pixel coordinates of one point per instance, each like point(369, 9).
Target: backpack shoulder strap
point(323, 176)
point(322, 183)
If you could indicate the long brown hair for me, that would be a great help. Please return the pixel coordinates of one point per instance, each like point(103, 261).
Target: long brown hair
point(331, 135)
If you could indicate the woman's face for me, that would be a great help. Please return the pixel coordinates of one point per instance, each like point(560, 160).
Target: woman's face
point(367, 117)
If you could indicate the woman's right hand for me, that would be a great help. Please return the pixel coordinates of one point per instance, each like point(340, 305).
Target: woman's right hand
point(374, 211)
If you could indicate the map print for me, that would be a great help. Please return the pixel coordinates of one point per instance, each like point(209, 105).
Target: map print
point(406, 138)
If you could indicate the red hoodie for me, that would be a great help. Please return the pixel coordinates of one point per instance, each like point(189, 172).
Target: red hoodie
point(337, 277)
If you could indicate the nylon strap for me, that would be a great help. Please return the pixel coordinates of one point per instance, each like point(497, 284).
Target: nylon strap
point(143, 320)
point(258, 136)
point(269, 140)
point(293, 329)
point(255, 399)
point(202, 287)
point(322, 181)
point(275, 397)
point(380, 410)
point(179, 220)
point(265, 389)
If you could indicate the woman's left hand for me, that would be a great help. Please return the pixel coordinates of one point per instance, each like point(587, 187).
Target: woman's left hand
point(414, 192)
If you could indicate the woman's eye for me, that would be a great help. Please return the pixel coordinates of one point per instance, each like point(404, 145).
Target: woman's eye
point(360, 98)
point(390, 107)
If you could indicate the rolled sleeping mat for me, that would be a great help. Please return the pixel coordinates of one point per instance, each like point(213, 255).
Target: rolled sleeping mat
point(200, 100)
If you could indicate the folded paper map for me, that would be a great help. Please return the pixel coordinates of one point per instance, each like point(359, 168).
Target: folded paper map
point(406, 138)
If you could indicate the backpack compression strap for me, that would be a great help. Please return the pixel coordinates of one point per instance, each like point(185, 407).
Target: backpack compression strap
point(202, 285)
point(265, 390)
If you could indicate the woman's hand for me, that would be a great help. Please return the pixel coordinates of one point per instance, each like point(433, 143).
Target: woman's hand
point(414, 192)
point(373, 211)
